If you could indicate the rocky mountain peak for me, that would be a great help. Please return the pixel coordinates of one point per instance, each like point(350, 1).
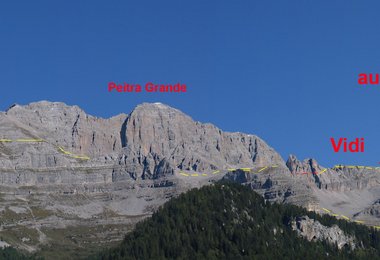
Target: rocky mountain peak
point(154, 139)
point(147, 111)
point(156, 134)
point(308, 165)
point(43, 107)
point(155, 106)
point(159, 146)
point(68, 126)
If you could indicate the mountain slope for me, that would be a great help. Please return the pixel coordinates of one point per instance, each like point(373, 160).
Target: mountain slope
point(137, 162)
point(156, 134)
point(229, 221)
point(153, 140)
point(63, 169)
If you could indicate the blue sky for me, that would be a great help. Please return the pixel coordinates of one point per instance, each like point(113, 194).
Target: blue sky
point(284, 70)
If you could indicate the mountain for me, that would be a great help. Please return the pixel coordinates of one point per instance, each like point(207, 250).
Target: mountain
point(69, 180)
point(349, 192)
point(229, 221)
point(153, 140)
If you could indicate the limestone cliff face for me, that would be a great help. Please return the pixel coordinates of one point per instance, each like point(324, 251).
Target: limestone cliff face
point(155, 134)
point(312, 230)
point(276, 185)
point(136, 161)
point(339, 179)
point(69, 126)
point(371, 211)
point(154, 140)
point(307, 166)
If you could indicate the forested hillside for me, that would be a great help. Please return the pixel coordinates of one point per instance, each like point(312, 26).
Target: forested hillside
point(9, 253)
point(230, 221)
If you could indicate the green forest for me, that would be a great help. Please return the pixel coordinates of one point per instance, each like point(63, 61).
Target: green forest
point(9, 253)
point(230, 221)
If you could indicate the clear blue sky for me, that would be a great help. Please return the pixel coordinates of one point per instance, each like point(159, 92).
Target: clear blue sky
point(284, 70)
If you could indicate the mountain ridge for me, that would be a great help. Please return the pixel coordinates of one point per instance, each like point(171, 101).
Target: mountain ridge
point(140, 160)
point(97, 136)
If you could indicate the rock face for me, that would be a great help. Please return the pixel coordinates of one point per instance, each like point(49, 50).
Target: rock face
point(348, 190)
point(276, 185)
point(134, 167)
point(307, 166)
point(156, 136)
point(69, 126)
point(373, 210)
point(152, 141)
point(140, 160)
point(312, 230)
point(339, 178)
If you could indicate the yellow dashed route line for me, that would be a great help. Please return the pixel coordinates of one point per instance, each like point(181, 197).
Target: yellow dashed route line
point(324, 170)
point(82, 157)
point(275, 166)
point(328, 211)
point(345, 166)
point(63, 150)
point(6, 140)
point(250, 170)
point(347, 218)
point(351, 167)
point(29, 140)
point(205, 174)
point(355, 167)
point(60, 148)
point(73, 155)
point(263, 169)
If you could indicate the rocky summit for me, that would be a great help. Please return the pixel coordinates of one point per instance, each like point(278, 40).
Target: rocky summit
point(71, 180)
